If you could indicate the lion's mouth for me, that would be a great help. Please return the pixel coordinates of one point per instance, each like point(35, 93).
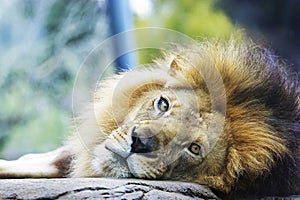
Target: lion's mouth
point(125, 141)
point(145, 167)
point(138, 153)
point(119, 143)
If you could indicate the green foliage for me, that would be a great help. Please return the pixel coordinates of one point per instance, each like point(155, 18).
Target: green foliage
point(45, 130)
point(42, 45)
point(196, 18)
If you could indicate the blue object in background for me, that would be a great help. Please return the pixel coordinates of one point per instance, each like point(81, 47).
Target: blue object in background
point(121, 20)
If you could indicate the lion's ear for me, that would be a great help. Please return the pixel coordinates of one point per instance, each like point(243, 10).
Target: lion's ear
point(187, 64)
point(180, 61)
point(185, 61)
point(174, 65)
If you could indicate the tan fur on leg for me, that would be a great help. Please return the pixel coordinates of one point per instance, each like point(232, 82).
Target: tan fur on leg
point(50, 164)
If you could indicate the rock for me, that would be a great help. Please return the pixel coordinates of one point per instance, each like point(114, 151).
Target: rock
point(105, 188)
point(100, 188)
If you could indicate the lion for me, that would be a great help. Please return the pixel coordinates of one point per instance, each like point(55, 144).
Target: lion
point(221, 114)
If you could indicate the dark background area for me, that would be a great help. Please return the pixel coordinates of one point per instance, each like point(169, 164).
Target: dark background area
point(276, 22)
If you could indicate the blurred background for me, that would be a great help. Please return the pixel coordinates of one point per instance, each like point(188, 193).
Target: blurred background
point(43, 43)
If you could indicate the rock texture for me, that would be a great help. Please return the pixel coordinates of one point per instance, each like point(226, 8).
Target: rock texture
point(104, 188)
point(100, 188)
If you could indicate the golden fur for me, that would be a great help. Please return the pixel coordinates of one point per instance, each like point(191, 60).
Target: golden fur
point(256, 141)
point(256, 152)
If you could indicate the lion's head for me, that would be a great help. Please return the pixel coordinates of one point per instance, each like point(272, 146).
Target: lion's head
point(162, 123)
point(165, 131)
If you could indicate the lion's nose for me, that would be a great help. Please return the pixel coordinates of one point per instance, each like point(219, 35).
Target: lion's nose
point(141, 144)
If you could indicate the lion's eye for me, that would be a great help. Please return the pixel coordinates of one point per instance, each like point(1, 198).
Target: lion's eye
point(162, 104)
point(195, 149)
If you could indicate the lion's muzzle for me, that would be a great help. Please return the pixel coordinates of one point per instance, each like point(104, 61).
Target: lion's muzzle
point(119, 142)
point(132, 140)
point(140, 146)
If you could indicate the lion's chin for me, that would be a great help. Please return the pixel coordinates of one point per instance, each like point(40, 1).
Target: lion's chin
point(145, 167)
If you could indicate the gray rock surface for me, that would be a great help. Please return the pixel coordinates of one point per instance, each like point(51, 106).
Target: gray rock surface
point(100, 188)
